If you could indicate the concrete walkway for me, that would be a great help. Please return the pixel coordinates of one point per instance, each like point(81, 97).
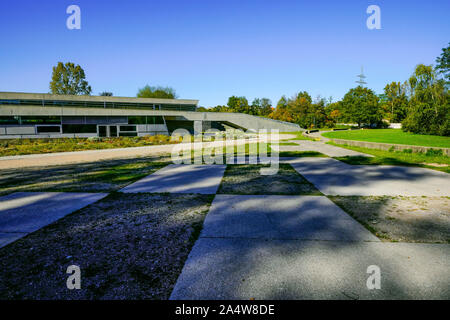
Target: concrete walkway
point(333, 177)
point(25, 212)
point(303, 247)
point(231, 268)
point(327, 149)
point(181, 178)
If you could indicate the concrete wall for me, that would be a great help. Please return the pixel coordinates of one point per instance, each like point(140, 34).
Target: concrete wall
point(388, 146)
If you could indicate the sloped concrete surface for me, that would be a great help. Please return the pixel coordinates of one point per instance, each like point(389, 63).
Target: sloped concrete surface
point(327, 149)
point(295, 269)
point(25, 212)
point(281, 217)
point(180, 178)
point(333, 177)
point(9, 237)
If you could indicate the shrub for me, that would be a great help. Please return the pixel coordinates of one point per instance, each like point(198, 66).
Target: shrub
point(434, 152)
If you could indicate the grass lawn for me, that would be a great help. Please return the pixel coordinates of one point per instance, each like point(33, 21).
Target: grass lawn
point(396, 136)
point(247, 179)
point(399, 158)
point(16, 147)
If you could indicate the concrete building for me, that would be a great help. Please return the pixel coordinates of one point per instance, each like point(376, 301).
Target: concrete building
point(31, 115)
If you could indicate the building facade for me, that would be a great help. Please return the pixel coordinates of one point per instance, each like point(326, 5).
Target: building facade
point(30, 115)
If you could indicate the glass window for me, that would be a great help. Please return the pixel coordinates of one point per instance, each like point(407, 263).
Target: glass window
point(137, 120)
point(9, 120)
point(79, 128)
point(128, 134)
point(127, 128)
point(159, 120)
point(48, 129)
point(40, 119)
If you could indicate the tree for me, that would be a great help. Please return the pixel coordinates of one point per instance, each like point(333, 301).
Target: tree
point(360, 105)
point(106, 94)
point(202, 109)
point(69, 79)
point(266, 107)
point(157, 92)
point(429, 105)
point(443, 63)
point(335, 115)
point(281, 112)
point(396, 101)
point(238, 104)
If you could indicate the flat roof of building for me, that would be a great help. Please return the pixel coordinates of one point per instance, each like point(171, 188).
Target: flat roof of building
point(86, 98)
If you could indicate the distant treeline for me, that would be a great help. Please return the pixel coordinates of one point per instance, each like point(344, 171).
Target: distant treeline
point(421, 104)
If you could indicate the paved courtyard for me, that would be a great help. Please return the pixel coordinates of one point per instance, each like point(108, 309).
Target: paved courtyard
point(278, 245)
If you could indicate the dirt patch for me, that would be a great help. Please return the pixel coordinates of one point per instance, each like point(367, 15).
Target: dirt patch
point(128, 246)
point(408, 219)
point(247, 179)
point(100, 176)
point(441, 165)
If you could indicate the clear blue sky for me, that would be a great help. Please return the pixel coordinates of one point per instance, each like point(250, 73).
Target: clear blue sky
point(210, 49)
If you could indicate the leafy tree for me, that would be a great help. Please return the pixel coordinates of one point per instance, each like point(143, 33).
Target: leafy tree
point(396, 101)
point(335, 115)
point(69, 78)
point(266, 107)
point(282, 112)
point(157, 92)
point(429, 105)
point(443, 63)
point(238, 104)
point(106, 94)
point(360, 105)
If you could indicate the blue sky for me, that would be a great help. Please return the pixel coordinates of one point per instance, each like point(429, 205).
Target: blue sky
point(210, 50)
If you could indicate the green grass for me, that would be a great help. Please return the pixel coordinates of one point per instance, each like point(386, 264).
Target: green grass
point(398, 158)
point(396, 136)
point(15, 147)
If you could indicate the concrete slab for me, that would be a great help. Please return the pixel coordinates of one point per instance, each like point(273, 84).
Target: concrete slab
point(296, 269)
point(327, 149)
point(333, 177)
point(181, 178)
point(25, 212)
point(7, 238)
point(281, 217)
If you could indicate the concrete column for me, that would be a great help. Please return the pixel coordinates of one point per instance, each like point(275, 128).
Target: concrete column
point(198, 127)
